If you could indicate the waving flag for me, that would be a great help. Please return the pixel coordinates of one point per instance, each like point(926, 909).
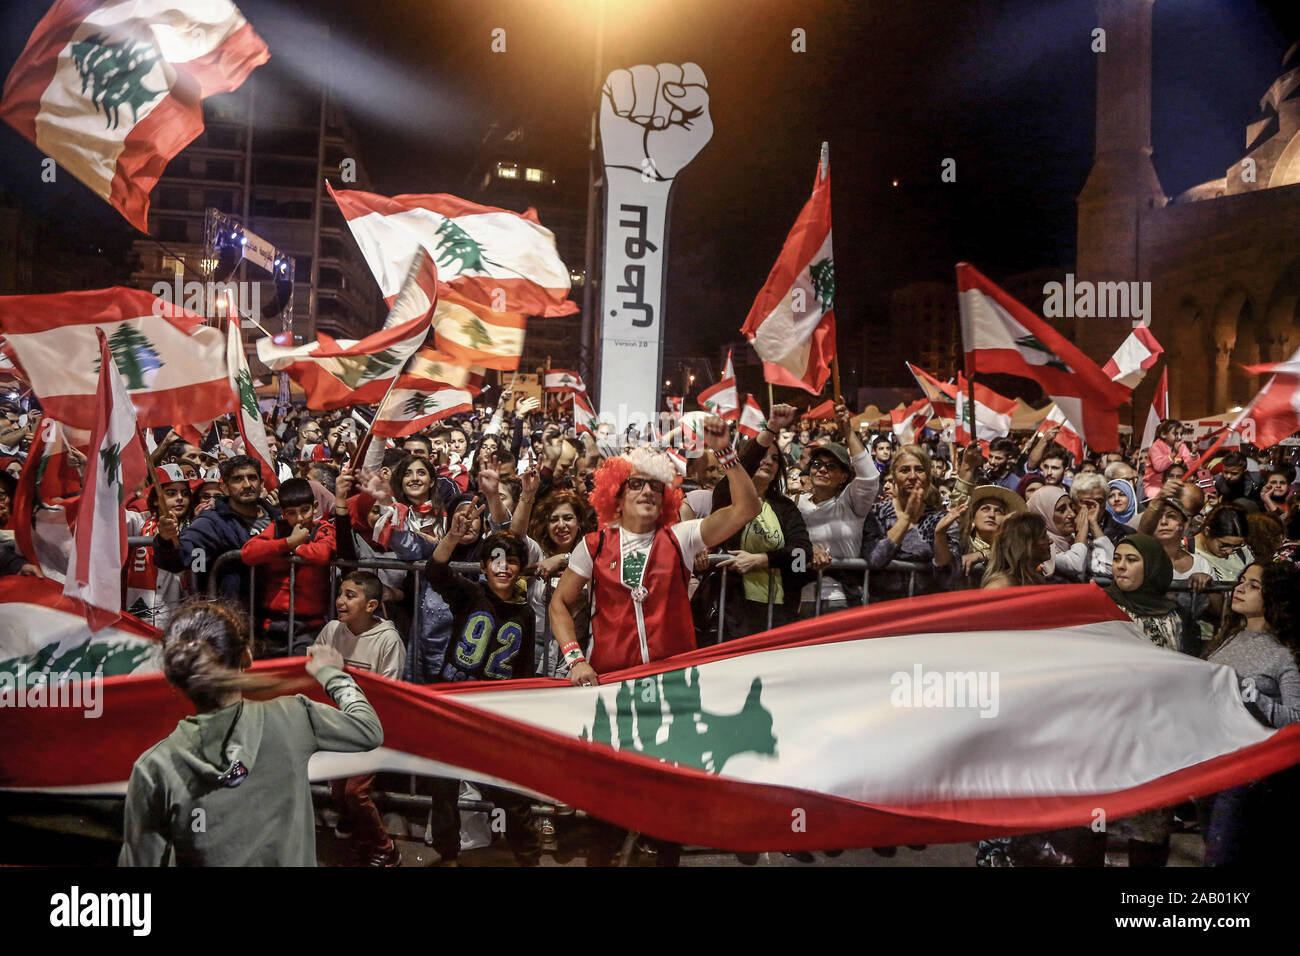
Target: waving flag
point(473, 334)
point(1159, 410)
point(173, 366)
point(992, 413)
point(723, 399)
point(822, 413)
point(941, 396)
point(336, 374)
point(563, 380)
point(584, 418)
point(1135, 356)
point(251, 428)
point(112, 90)
point(500, 258)
point(792, 322)
point(1067, 437)
point(46, 500)
point(908, 422)
point(115, 468)
point(1000, 335)
point(431, 387)
point(1275, 411)
point(948, 731)
point(752, 419)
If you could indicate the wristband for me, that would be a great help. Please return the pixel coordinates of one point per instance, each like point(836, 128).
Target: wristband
point(572, 653)
point(727, 457)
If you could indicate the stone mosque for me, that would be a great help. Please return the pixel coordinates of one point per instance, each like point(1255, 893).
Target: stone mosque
point(1222, 258)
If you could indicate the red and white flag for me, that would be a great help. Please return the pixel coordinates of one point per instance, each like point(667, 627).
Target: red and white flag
point(1274, 413)
point(114, 468)
point(1159, 410)
point(46, 501)
point(1135, 356)
point(751, 420)
point(941, 395)
point(336, 374)
point(112, 90)
point(584, 419)
point(963, 723)
point(908, 422)
point(722, 399)
point(992, 413)
point(1002, 336)
point(494, 256)
point(792, 321)
point(431, 387)
point(1067, 437)
point(824, 412)
point(563, 380)
point(173, 366)
point(473, 334)
point(251, 428)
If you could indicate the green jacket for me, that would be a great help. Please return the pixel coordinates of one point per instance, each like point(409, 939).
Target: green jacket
point(174, 800)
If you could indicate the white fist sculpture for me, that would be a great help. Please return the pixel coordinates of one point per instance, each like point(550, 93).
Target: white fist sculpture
point(655, 119)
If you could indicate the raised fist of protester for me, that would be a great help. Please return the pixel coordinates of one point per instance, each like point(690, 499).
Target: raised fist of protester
point(655, 119)
point(343, 488)
point(715, 434)
point(323, 655)
point(781, 416)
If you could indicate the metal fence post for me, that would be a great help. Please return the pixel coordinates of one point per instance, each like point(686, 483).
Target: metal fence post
point(288, 641)
point(771, 595)
point(817, 598)
point(722, 606)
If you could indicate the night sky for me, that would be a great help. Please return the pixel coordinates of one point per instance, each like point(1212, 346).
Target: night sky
point(1005, 88)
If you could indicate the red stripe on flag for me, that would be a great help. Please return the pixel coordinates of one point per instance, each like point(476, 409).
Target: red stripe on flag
point(32, 74)
point(166, 406)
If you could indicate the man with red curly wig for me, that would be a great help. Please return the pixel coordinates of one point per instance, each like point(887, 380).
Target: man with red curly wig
point(640, 560)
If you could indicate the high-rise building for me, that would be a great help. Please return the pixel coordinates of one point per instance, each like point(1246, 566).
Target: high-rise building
point(263, 159)
point(515, 171)
point(36, 259)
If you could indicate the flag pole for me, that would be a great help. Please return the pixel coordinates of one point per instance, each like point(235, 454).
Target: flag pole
point(824, 170)
point(364, 444)
point(153, 473)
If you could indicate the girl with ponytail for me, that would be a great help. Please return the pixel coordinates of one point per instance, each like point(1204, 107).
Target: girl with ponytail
point(229, 786)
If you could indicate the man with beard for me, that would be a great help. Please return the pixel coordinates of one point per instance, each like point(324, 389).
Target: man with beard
point(1001, 469)
point(226, 526)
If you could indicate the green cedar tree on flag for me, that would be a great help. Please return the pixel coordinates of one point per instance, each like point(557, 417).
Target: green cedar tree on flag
point(251, 427)
point(112, 90)
point(792, 322)
point(473, 334)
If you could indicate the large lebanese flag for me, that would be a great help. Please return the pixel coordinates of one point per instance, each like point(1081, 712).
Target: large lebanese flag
point(908, 422)
point(343, 372)
point(115, 467)
point(941, 396)
point(494, 256)
point(859, 719)
point(563, 380)
point(113, 89)
point(1000, 335)
point(173, 366)
point(792, 321)
point(251, 427)
point(431, 387)
point(992, 412)
point(1274, 413)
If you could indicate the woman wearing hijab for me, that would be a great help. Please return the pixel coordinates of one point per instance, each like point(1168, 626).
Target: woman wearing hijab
point(1143, 573)
point(1069, 531)
point(1121, 501)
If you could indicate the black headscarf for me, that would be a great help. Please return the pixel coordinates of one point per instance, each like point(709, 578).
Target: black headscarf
point(1149, 600)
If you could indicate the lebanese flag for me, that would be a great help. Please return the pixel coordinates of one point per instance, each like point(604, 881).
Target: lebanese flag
point(1275, 412)
point(992, 413)
point(1002, 336)
point(563, 380)
point(336, 374)
point(584, 419)
point(115, 468)
point(43, 630)
point(430, 388)
point(751, 420)
point(821, 413)
point(112, 90)
point(46, 500)
point(941, 396)
point(173, 366)
point(723, 399)
point(1068, 436)
point(251, 428)
point(1135, 356)
point(792, 321)
point(963, 723)
point(1159, 410)
point(908, 422)
point(9, 364)
point(678, 459)
point(489, 255)
point(473, 334)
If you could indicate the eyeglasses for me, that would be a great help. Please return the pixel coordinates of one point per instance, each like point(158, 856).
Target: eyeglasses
point(825, 464)
point(636, 484)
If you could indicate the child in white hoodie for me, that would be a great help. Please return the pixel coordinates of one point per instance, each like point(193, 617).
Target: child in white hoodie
point(369, 643)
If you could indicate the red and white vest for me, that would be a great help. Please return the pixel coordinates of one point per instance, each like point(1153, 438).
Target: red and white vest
point(626, 632)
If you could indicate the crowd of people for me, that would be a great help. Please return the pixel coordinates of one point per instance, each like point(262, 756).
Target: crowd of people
point(472, 550)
